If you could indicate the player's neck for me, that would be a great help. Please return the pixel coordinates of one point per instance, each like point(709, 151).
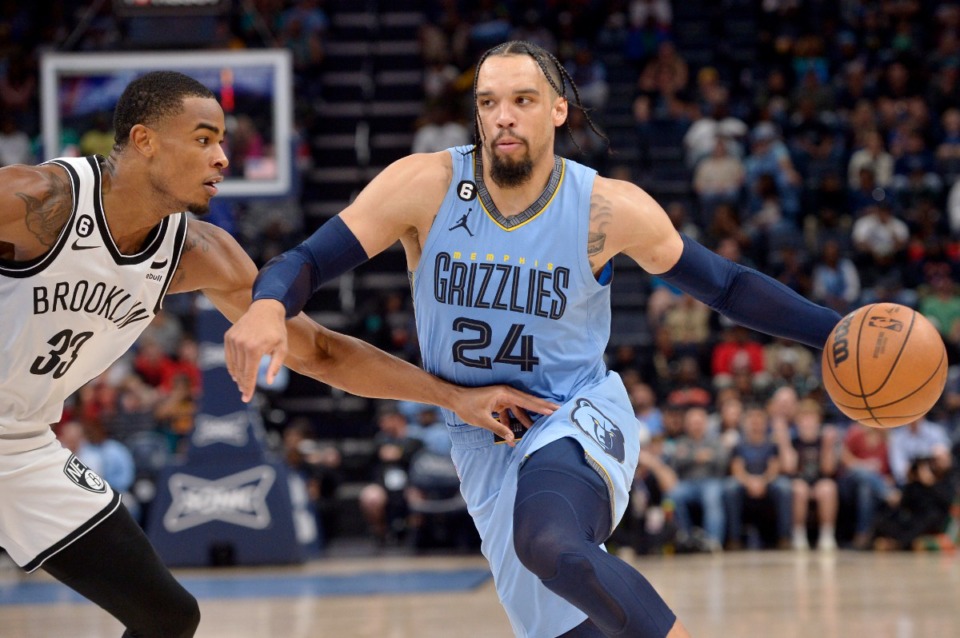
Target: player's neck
point(513, 200)
point(130, 217)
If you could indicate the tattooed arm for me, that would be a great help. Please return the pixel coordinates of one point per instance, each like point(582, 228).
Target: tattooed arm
point(625, 219)
point(35, 203)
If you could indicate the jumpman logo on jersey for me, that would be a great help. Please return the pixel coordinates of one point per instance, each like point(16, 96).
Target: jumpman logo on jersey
point(462, 223)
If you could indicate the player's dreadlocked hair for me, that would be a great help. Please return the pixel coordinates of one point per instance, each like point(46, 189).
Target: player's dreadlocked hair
point(152, 97)
point(556, 75)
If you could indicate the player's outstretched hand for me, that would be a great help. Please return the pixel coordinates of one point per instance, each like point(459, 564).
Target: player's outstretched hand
point(262, 330)
point(476, 406)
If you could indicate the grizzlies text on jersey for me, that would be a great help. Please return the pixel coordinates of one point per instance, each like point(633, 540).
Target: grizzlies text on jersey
point(88, 304)
point(490, 290)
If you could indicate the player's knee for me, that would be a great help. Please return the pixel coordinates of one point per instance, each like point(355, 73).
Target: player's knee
point(179, 619)
point(539, 545)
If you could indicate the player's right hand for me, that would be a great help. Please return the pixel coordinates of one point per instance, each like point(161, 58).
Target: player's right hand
point(261, 331)
point(476, 406)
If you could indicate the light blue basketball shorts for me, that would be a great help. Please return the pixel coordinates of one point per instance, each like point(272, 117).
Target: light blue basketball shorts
point(601, 419)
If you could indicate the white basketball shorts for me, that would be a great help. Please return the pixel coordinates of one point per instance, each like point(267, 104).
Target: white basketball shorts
point(48, 499)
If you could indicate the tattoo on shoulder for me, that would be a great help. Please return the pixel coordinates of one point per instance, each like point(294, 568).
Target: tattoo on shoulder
point(601, 215)
point(48, 212)
point(196, 240)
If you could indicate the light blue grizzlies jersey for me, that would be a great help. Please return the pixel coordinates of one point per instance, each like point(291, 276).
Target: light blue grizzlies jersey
point(512, 300)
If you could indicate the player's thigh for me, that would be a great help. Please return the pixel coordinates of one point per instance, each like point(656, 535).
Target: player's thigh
point(48, 499)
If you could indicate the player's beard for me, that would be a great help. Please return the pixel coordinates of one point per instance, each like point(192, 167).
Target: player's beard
point(198, 209)
point(507, 173)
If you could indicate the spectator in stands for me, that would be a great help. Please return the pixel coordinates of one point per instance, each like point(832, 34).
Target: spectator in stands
point(715, 125)
point(645, 408)
point(836, 282)
point(756, 479)
point(439, 77)
point(185, 363)
point(727, 419)
point(175, 412)
point(166, 330)
point(717, 179)
point(654, 478)
point(135, 405)
point(865, 478)
point(382, 501)
point(303, 27)
point(533, 29)
point(700, 462)
point(152, 364)
point(811, 460)
point(688, 323)
point(725, 225)
point(948, 150)
point(439, 129)
point(246, 147)
point(98, 140)
point(581, 143)
point(590, 74)
point(790, 367)
point(918, 439)
point(318, 466)
point(923, 510)
point(915, 172)
point(688, 387)
point(18, 89)
point(879, 239)
point(873, 155)
point(769, 156)
point(429, 428)
point(14, 143)
point(941, 305)
point(738, 349)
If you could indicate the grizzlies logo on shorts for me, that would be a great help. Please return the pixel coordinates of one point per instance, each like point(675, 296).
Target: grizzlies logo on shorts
point(596, 425)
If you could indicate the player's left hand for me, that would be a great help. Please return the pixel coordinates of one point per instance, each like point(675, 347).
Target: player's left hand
point(261, 331)
point(476, 406)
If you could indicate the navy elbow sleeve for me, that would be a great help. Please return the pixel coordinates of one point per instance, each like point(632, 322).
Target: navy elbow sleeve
point(293, 277)
point(748, 297)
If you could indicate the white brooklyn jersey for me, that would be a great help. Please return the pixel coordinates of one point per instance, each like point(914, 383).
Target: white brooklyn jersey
point(66, 316)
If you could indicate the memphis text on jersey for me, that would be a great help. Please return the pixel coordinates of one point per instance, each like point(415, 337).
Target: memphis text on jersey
point(113, 303)
point(475, 280)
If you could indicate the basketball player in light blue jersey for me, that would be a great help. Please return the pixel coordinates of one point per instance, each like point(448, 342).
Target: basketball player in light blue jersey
point(510, 249)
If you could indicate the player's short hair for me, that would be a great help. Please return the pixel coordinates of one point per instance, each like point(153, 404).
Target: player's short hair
point(151, 98)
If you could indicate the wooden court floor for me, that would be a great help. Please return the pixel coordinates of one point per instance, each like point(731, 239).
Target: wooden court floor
point(742, 595)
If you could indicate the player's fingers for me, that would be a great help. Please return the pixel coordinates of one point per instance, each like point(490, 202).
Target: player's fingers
point(533, 404)
point(521, 416)
point(502, 429)
point(276, 362)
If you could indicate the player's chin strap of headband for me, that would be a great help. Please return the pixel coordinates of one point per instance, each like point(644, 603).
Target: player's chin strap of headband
point(293, 277)
point(748, 297)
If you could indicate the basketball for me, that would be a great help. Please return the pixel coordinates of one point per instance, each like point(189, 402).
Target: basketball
point(884, 365)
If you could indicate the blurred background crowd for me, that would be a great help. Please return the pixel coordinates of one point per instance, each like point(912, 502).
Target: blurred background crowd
point(817, 140)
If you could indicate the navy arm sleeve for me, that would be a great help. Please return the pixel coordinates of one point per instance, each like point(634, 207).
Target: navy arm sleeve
point(748, 297)
point(293, 277)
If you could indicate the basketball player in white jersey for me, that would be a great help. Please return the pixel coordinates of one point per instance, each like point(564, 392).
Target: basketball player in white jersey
point(523, 298)
point(88, 249)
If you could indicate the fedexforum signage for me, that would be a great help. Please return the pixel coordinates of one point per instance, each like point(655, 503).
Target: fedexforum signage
point(139, 8)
